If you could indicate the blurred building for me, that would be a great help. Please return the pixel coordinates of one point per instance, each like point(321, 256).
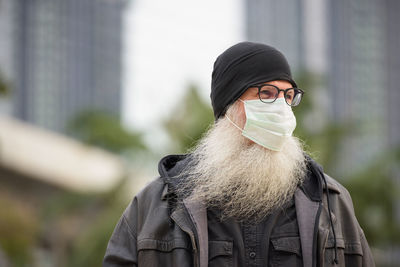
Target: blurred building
point(364, 64)
point(6, 66)
point(354, 44)
point(6, 59)
point(393, 70)
point(277, 23)
point(66, 58)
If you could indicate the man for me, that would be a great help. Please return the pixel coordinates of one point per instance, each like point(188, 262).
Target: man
point(247, 195)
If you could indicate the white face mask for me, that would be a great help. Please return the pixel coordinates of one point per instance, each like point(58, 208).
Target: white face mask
point(268, 125)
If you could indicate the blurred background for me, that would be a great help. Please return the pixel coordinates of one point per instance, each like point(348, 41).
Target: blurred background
point(94, 92)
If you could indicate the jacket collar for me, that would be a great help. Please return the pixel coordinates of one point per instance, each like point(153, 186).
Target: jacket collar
point(169, 169)
point(313, 185)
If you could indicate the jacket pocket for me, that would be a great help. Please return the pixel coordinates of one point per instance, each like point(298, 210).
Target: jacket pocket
point(348, 254)
point(220, 253)
point(328, 252)
point(164, 253)
point(285, 251)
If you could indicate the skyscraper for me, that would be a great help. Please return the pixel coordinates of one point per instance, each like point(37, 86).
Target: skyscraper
point(355, 45)
point(67, 57)
point(6, 65)
point(364, 64)
point(392, 63)
point(6, 58)
point(277, 23)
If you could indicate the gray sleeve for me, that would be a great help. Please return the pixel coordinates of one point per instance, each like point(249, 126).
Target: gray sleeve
point(122, 248)
point(368, 260)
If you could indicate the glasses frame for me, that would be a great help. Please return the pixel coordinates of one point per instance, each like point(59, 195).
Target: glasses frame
point(296, 91)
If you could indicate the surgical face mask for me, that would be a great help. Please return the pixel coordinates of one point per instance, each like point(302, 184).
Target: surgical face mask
point(268, 125)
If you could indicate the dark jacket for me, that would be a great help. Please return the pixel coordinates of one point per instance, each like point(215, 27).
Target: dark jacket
point(155, 231)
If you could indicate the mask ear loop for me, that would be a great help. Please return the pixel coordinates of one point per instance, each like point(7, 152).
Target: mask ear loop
point(234, 124)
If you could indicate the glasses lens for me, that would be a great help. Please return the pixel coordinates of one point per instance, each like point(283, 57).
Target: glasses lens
point(268, 93)
point(296, 98)
point(289, 96)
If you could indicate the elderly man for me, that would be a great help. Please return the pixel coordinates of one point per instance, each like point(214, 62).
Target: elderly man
point(247, 195)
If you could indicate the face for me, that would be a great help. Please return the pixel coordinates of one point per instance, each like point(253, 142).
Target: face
point(252, 93)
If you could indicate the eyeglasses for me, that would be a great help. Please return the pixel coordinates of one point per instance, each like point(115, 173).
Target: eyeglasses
point(268, 93)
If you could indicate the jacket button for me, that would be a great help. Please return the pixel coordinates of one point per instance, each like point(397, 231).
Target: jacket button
point(252, 254)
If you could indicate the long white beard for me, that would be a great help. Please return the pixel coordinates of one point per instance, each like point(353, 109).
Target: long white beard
point(242, 179)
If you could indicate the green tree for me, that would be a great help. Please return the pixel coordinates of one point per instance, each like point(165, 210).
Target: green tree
point(18, 231)
point(322, 143)
point(376, 194)
point(104, 130)
point(189, 120)
point(5, 88)
point(97, 214)
point(91, 243)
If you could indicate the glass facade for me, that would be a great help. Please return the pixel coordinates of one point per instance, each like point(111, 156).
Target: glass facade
point(360, 60)
point(68, 59)
point(277, 23)
point(361, 75)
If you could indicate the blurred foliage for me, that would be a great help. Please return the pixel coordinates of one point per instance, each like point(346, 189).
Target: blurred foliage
point(189, 120)
point(95, 218)
point(5, 88)
point(322, 142)
point(376, 196)
point(104, 130)
point(18, 232)
point(90, 246)
point(70, 228)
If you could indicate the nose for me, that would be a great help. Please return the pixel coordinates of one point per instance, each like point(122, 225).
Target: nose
point(281, 94)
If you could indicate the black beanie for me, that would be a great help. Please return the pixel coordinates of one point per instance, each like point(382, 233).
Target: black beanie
point(241, 66)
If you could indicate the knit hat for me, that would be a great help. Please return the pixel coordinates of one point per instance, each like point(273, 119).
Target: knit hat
point(241, 66)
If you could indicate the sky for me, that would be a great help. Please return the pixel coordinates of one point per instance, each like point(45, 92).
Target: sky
point(169, 45)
